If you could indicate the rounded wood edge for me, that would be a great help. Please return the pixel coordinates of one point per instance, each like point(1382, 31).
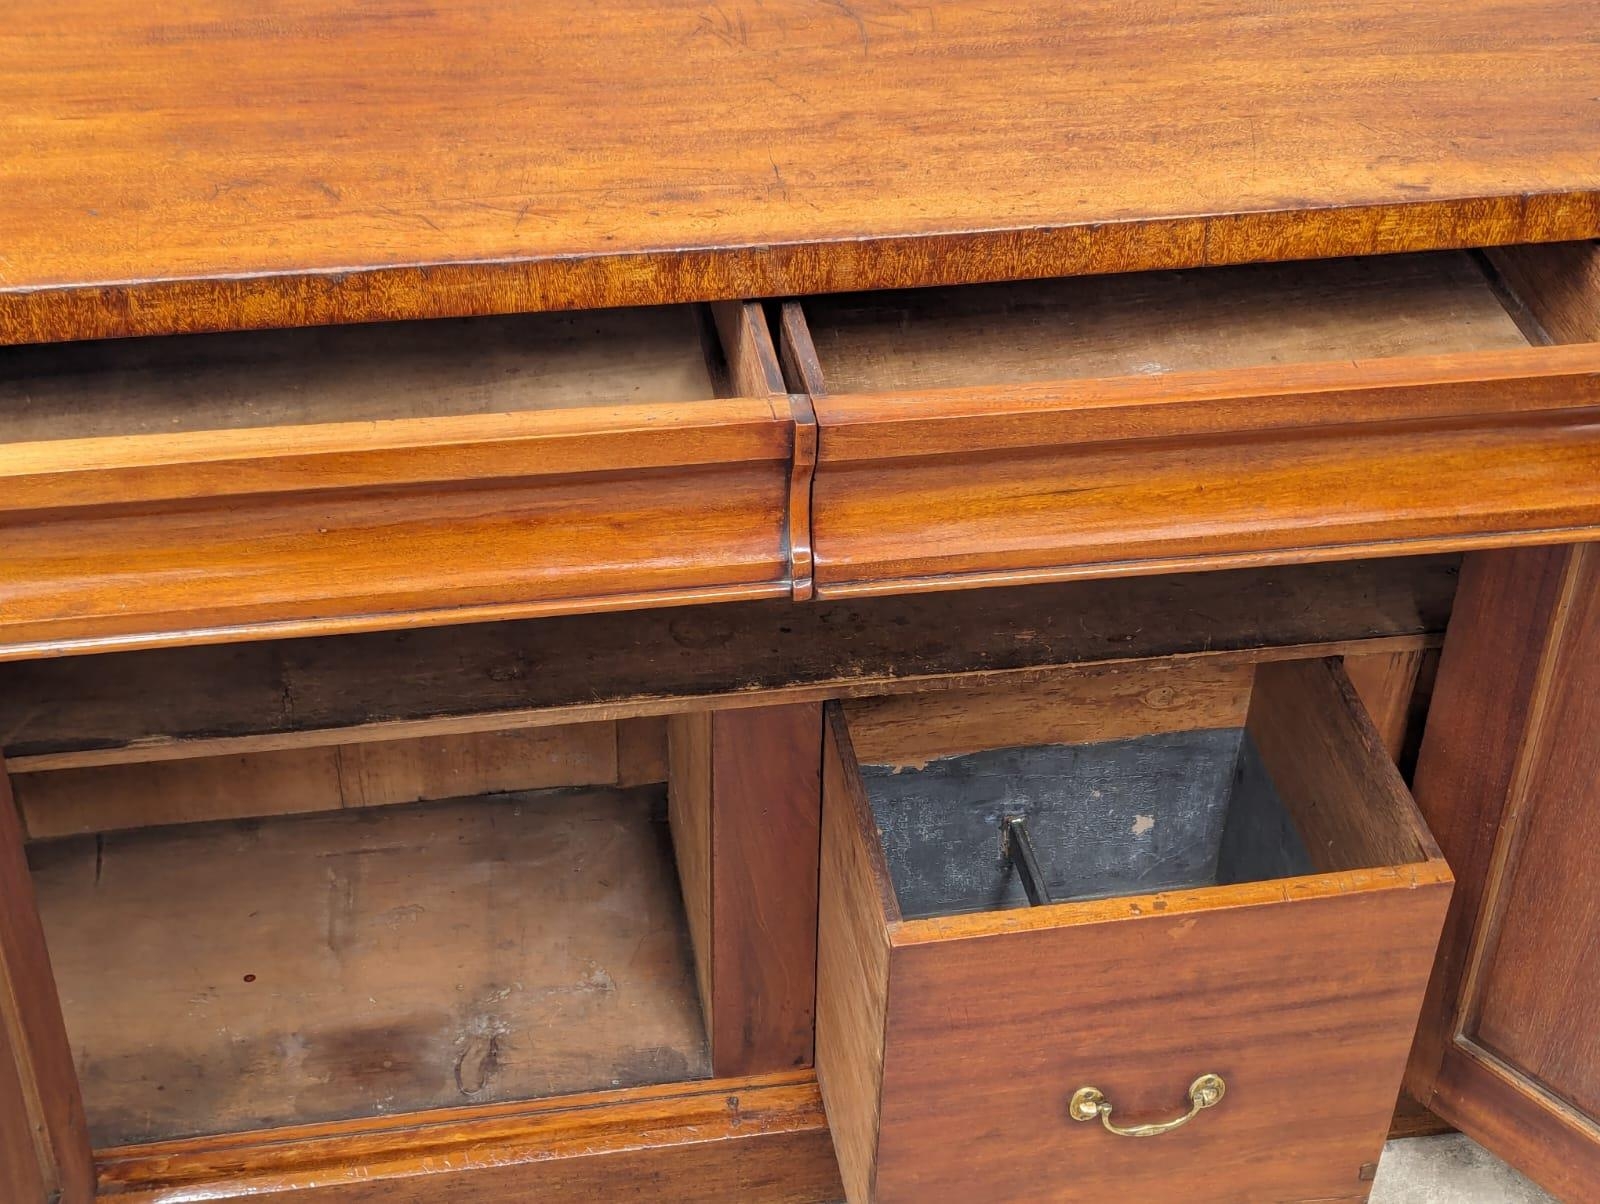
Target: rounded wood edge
point(237, 300)
point(40, 648)
point(866, 587)
point(1432, 872)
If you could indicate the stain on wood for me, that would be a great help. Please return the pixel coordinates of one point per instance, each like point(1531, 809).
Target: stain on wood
point(370, 963)
point(73, 711)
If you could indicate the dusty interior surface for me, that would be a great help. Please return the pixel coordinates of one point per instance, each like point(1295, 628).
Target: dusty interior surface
point(246, 974)
point(1167, 811)
point(352, 373)
point(1153, 322)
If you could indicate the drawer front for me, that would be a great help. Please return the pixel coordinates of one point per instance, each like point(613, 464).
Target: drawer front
point(1304, 1008)
point(169, 492)
point(351, 559)
point(950, 1047)
point(1284, 412)
point(1070, 486)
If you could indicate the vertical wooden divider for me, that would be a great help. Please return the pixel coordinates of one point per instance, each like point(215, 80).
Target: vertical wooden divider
point(746, 822)
point(44, 1141)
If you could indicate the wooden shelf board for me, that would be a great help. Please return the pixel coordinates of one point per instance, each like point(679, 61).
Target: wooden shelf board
point(249, 974)
point(1158, 322)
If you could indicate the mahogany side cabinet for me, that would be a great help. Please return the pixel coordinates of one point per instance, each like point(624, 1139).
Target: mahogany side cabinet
point(796, 603)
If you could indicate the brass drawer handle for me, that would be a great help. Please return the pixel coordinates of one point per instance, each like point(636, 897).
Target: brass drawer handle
point(1089, 1103)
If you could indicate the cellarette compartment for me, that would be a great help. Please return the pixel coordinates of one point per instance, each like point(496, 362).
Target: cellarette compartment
point(1055, 913)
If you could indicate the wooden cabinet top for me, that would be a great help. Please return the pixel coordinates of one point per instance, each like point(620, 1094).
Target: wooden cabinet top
point(179, 165)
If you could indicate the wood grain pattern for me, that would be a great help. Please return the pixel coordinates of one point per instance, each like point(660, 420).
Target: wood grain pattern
point(747, 345)
point(857, 903)
point(802, 475)
point(79, 711)
point(44, 1137)
point(756, 372)
point(908, 730)
point(1506, 776)
point(447, 160)
point(1543, 1023)
point(968, 487)
point(1305, 1116)
point(757, 1140)
point(641, 751)
point(1060, 996)
point(689, 814)
point(370, 963)
point(1328, 763)
point(25, 1176)
point(1387, 685)
point(746, 809)
point(392, 555)
point(194, 489)
point(1504, 769)
point(90, 799)
point(1553, 289)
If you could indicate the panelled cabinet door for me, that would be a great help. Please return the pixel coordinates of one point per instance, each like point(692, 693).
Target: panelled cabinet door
point(44, 1144)
point(1509, 780)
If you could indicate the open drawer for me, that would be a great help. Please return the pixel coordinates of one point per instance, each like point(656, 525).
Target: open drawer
point(199, 487)
point(1130, 424)
point(1246, 909)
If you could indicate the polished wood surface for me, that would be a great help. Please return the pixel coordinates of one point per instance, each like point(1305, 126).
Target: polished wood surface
point(77, 711)
point(44, 1136)
point(745, 805)
point(1146, 423)
point(760, 1140)
point(555, 480)
point(1552, 290)
point(1139, 995)
point(236, 976)
point(1507, 778)
point(1506, 775)
point(980, 447)
point(195, 165)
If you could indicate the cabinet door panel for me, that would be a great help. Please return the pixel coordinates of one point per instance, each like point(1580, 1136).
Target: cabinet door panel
point(1509, 779)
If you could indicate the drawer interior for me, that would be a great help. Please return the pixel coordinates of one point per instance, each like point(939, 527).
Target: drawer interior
point(348, 953)
point(1157, 322)
point(421, 369)
point(1129, 781)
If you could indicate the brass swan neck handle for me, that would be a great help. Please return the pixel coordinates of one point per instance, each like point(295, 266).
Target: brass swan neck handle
point(1089, 1103)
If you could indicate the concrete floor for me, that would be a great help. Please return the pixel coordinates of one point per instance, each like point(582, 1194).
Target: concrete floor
point(1449, 1170)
